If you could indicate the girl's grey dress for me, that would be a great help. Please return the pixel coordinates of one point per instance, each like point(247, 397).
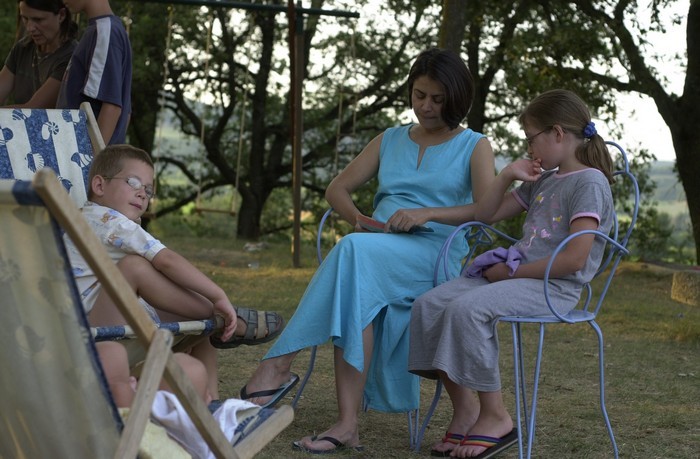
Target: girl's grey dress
point(453, 326)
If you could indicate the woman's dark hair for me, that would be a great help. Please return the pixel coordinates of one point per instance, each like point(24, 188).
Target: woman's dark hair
point(446, 67)
point(69, 28)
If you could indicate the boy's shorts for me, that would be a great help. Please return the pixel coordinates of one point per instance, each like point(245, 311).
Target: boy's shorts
point(135, 351)
point(181, 343)
point(88, 297)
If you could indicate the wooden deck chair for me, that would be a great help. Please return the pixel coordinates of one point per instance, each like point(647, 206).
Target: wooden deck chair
point(55, 402)
point(66, 141)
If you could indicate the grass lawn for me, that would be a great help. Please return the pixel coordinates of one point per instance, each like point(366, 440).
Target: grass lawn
point(652, 365)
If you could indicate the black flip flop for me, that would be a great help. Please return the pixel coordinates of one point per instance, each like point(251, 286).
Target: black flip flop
point(277, 394)
point(337, 446)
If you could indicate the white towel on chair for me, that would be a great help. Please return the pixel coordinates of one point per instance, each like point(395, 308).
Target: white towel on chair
point(168, 411)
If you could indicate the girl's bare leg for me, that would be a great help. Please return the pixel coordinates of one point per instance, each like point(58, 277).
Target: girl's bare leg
point(465, 411)
point(493, 421)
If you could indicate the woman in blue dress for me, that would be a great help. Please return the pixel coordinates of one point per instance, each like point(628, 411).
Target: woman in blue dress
point(429, 174)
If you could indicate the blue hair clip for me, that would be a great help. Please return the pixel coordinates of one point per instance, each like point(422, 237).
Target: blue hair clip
point(589, 131)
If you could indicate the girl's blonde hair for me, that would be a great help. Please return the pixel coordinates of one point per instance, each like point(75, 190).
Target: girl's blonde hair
point(566, 109)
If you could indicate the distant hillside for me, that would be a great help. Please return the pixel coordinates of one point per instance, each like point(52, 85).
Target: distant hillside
point(669, 194)
point(668, 188)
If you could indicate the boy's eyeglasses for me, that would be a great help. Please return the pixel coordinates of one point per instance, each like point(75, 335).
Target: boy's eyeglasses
point(136, 184)
point(532, 137)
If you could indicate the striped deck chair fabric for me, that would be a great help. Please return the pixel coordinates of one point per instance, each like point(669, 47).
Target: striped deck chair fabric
point(54, 401)
point(62, 140)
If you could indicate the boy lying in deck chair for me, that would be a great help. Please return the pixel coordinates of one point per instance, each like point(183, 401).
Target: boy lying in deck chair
point(169, 287)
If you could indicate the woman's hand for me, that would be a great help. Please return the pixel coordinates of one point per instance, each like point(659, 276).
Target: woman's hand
point(358, 227)
point(404, 220)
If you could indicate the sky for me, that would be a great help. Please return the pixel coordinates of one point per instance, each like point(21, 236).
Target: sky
point(640, 117)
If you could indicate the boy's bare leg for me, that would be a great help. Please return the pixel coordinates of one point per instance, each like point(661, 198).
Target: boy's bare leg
point(196, 372)
point(116, 368)
point(205, 353)
point(173, 303)
point(159, 291)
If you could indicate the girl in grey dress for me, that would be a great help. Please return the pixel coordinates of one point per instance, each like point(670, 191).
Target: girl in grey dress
point(565, 189)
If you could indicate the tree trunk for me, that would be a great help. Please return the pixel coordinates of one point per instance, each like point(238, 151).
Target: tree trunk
point(249, 218)
point(453, 24)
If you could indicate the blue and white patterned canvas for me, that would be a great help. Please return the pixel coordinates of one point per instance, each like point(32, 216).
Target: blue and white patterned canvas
point(31, 139)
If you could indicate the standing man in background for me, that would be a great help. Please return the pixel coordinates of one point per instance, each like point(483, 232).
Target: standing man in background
point(99, 71)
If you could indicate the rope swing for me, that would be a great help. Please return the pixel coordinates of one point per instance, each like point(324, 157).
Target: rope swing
point(199, 208)
point(161, 106)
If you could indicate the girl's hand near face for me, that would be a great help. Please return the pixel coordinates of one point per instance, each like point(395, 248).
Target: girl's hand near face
point(527, 170)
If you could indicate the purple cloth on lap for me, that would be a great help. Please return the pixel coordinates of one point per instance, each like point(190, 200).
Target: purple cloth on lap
point(511, 256)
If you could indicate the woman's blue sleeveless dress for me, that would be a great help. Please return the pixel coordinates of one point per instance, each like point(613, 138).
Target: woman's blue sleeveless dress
point(374, 277)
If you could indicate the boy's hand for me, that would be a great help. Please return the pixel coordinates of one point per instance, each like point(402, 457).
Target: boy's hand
point(225, 309)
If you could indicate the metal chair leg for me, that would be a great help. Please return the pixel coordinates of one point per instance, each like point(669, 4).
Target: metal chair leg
point(517, 349)
point(536, 383)
point(419, 434)
point(302, 384)
point(601, 364)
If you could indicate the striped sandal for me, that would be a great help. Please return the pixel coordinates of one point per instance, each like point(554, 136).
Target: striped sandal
point(450, 437)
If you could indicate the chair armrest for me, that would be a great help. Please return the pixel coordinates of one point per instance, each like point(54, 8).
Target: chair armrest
point(319, 253)
point(477, 234)
point(614, 247)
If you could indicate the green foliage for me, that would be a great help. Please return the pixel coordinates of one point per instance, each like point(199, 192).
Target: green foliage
point(354, 87)
point(655, 236)
point(8, 26)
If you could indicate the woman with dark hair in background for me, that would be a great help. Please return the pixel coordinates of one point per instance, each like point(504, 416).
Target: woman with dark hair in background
point(35, 66)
